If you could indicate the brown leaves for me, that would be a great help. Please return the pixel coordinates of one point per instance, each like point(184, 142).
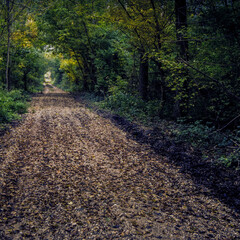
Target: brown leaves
point(68, 173)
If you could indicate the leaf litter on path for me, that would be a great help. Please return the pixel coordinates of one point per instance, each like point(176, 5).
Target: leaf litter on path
point(67, 173)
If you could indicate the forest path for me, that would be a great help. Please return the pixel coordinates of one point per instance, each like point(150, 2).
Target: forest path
point(67, 173)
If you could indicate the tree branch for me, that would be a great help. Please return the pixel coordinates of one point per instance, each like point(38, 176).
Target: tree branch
point(213, 79)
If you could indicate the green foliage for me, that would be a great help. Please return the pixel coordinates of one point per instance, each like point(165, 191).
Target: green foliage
point(231, 160)
point(96, 47)
point(197, 134)
point(28, 69)
point(111, 59)
point(66, 85)
point(120, 85)
point(125, 104)
point(12, 104)
point(223, 147)
point(131, 106)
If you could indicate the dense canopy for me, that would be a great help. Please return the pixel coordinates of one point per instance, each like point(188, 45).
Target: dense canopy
point(161, 159)
point(180, 58)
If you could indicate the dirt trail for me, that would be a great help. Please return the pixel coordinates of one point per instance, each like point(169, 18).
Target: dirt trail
point(67, 173)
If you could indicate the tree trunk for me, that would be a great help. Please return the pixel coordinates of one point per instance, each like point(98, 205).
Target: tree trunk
point(8, 45)
point(181, 28)
point(158, 29)
point(85, 78)
point(25, 82)
point(181, 106)
point(143, 76)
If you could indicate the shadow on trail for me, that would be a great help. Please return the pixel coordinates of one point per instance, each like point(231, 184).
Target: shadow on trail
point(220, 182)
point(53, 95)
point(49, 86)
point(55, 100)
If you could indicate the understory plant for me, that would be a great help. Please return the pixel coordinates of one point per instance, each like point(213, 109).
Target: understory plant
point(131, 106)
point(12, 104)
point(221, 146)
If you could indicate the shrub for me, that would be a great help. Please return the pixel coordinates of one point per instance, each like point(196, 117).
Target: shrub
point(12, 104)
point(231, 160)
point(197, 134)
point(132, 107)
point(125, 105)
point(223, 147)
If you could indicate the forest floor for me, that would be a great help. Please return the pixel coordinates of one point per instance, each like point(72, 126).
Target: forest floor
point(68, 173)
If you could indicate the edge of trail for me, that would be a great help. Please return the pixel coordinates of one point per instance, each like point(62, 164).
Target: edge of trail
point(68, 173)
point(223, 182)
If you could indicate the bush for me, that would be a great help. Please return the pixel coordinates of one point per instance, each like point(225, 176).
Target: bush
point(125, 105)
point(202, 136)
point(11, 105)
point(132, 107)
point(223, 147)
point(231, 160)
point(19, 107)
point(197, 134)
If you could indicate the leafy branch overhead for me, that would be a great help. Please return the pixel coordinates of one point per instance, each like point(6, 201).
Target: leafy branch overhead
point(140, 42)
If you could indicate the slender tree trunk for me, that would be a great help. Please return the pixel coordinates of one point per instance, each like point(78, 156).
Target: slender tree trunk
point(25, 82)
point(91, 62)
point(181, 106)
point(158, 29)
point(79, 65)
point(8, 44)
point(143, 76)
point(82, 69)
point(181, 28)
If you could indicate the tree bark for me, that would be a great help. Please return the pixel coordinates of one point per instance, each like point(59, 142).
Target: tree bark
point(143, 76)
point(25, 81)
point(8, 44)
point(79, 65)
point(181, 28)
point(158, 29)
point(181, 106)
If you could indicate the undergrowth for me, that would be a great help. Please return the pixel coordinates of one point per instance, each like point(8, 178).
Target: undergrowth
point(12, 104)
point(220, 147)
point(132, 107)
